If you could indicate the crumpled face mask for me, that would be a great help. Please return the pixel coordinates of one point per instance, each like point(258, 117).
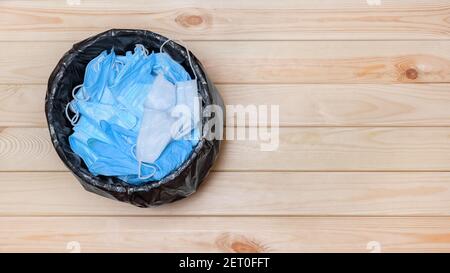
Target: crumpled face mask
point(159, 125)
point(165, 65)
point(94, 87)
point(96, 77)
point(112, 162)
point(187, 110)
point(97, 112)
point(156, 125)
point(134, 89)
point(171, 158)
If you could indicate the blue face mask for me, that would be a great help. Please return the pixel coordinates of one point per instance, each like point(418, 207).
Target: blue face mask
point(86, 129)
point(111, 161)
point(126, 66)
point(124, 140)
point(97, 112)
point(172, 157)
point(95, 85)
point(96, 77)
point(134, 89)
point(171, 70)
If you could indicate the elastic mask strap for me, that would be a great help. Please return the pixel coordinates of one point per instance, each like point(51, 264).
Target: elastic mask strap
point(187, 51)
point(132, 151)
point(148, 166)
point(85, 97)
point(142, 47)
point(73, 120)
point(140, 164)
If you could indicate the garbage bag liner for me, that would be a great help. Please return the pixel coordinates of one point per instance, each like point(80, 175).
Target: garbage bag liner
point(69, 72)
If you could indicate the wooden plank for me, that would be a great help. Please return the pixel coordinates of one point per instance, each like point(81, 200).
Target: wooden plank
point(347, 104)
point(228, 20)
point(22, 105)
point(269, 61)
point(300, 105)
point(243, 193)
point(225, 234)
point(299, 149)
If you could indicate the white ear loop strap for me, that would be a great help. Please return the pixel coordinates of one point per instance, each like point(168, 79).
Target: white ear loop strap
point(148, 166)
point(85, 97)
point(142, 47)
point(73, 120)
point(187, 51)
point(140, 164)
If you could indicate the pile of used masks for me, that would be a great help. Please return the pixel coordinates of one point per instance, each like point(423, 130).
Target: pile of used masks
point(135, 116)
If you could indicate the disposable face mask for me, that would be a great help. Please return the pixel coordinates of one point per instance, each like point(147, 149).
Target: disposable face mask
point(112, 162)
point(156, 124)
point(86, 129)
point(172, 70)
point(122, 138)
point(96, 77)
point(94, 87)
point(86, 132)
point(109, 113)
point(129, 78)
point(157, 127)
point(102, 158)
point(171, 158)
point(134, 89)
point(130, 63)
point(104, 150)
point(187, 110)
point(129, 71)
point(91, 76)
point(79, 146)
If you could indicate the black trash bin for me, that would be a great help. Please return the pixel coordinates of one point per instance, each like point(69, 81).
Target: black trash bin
point(69, 72)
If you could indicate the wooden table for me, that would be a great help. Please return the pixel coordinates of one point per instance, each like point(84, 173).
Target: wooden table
point(364, 156)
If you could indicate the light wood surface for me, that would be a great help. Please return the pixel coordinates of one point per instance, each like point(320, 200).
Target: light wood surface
point(269, 61)
point(228, 19)
point(300, 149)
point(229, 234)
point(300, 104)
point(244, 193)
point(363, 162)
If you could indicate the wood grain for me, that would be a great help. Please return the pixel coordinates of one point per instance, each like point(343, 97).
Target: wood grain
point(225, 234)
point(300, 149)
point(22, 105)
point(363, 155)
point(243, 193)
point(363, 104)
point(228, 20)
point(300, 105)
point(269, 61)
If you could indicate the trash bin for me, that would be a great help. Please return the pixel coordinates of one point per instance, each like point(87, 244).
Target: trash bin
point(69, 72)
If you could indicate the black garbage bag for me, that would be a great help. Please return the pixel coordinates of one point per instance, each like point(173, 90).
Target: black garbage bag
point(69, 72)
